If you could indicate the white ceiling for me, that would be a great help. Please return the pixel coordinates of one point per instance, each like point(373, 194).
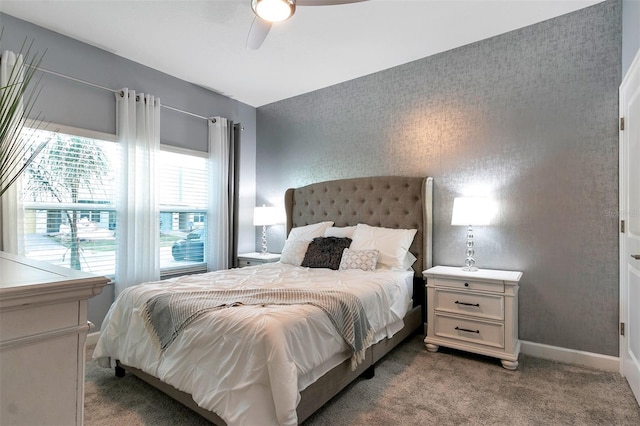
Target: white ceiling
point(203, 41)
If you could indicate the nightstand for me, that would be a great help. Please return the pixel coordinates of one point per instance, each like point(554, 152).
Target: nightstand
point(474, 311)
point(252, 259)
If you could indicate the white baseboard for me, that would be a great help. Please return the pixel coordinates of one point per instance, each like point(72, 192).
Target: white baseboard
point(92, 338)
point(571, 356)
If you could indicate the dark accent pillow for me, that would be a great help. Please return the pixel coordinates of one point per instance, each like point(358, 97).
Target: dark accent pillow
point(325, 252)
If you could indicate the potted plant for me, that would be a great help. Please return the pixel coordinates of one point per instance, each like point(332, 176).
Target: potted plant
point(18, 148)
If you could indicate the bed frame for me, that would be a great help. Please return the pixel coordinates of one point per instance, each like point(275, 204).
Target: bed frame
point(387, 201)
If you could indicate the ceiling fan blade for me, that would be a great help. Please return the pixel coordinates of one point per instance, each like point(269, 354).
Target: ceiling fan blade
point(325, 2)
point(257, 33)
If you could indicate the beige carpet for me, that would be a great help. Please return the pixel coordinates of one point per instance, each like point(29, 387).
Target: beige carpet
point(411, 387)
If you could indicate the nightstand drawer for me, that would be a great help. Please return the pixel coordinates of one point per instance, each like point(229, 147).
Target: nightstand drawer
point(474, 304)
point(468, 330)
point(495, 287)
point(247, 262)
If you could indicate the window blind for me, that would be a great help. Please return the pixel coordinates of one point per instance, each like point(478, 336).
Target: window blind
point(69, 203)
point(183, 199)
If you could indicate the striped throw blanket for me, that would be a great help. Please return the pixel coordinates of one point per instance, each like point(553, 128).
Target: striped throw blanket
point(167, 314)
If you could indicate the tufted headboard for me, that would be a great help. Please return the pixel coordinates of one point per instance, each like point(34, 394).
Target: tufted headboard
point(386, 201)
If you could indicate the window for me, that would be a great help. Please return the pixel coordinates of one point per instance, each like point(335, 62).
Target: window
point(69, 203)
point(183, 199)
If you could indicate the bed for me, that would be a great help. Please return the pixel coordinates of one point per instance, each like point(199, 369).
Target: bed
point(288, 359)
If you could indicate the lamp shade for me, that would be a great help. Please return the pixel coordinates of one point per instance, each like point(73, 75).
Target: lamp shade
point(472, 211)
point(265, 216)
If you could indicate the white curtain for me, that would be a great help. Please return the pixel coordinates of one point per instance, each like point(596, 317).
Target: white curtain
point(11, 212)
point(218, 223)
point(138, 222)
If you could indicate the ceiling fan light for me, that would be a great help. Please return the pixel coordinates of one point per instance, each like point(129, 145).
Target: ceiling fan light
point(273, 10)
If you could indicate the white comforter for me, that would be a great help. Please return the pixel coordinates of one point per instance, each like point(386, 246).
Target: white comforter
point(248, 364)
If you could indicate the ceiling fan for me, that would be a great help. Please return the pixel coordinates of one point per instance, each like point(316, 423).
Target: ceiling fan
point(269, 11)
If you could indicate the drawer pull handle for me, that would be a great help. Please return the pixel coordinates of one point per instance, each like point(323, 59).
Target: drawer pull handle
point(466, 284)
point(467, 330)
point(467, 304)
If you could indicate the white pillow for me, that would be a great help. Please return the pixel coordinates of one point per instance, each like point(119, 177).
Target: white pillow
point(308, 232)
point(340, 232)
point(409, 260)
point(295, 247)
point(293, 252)
point(359, 259)
point(407, 263)
point(393, 244)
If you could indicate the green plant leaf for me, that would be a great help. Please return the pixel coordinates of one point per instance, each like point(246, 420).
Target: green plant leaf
point(18, 148)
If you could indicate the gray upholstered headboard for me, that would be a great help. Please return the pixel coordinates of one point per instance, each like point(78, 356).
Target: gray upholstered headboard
point(387, 201)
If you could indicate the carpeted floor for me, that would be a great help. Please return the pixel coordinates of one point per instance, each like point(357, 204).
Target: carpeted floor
point(411, 387)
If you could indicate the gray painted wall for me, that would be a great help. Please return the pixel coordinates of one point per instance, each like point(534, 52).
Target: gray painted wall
point(74, 104)
point(630, 32)
point(529, 117)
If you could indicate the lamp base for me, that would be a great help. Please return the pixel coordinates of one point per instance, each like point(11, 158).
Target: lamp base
point(264, 241)
point(469, 261)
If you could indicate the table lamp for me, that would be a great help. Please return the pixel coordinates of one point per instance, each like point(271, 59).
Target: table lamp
point(470, 211)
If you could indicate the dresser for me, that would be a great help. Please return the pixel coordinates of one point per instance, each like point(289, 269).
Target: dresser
point(252, 259)
point(43, 328)
point(474, 311)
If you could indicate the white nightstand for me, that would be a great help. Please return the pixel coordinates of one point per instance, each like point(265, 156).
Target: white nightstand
point(252, 259)
point(474, 311)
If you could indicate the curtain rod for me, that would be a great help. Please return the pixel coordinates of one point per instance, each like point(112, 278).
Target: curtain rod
point(88, 83)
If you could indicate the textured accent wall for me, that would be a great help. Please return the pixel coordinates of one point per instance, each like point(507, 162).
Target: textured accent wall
point(528, 117)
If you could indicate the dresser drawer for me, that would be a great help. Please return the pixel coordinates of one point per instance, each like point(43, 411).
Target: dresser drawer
point(495, 287)
point(475, 304)
point(469, 330)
